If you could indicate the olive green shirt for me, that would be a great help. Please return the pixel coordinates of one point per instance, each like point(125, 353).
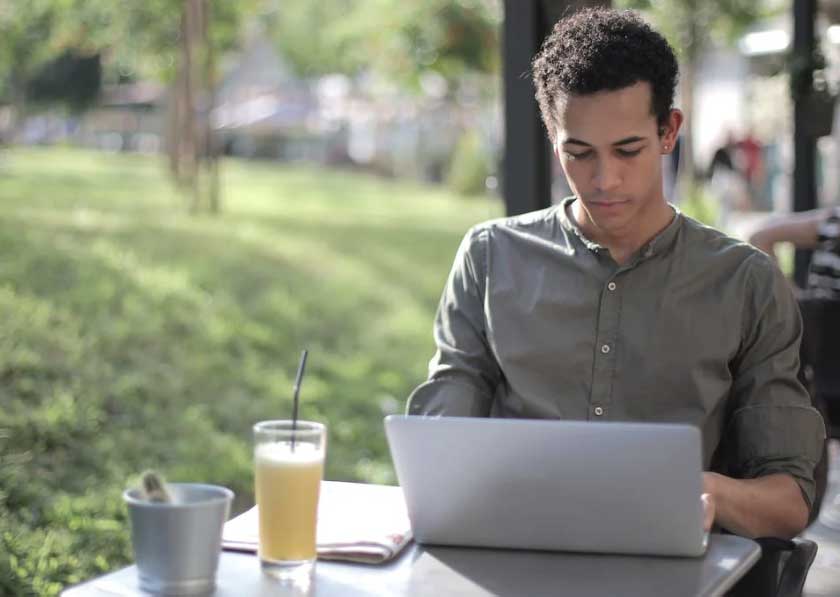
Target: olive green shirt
point(537, 321)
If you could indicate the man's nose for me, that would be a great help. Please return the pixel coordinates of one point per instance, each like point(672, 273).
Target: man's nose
point(607, 175)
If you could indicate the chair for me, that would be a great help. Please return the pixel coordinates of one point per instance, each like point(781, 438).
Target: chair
point(781, 571)
point(820, 353)
point(783, 567)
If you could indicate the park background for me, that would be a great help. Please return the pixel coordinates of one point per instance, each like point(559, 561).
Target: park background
point(192, 192)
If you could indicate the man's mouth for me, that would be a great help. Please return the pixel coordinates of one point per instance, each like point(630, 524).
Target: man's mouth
point(610, 203)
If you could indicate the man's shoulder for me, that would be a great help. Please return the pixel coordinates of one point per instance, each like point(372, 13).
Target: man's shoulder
point(530, 221)
point(710, 245)
point(728, 263)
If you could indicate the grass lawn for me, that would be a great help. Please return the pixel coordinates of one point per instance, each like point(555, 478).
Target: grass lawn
point(135, 336)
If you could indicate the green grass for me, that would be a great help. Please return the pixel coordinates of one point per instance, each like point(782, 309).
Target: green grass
point(135, 336)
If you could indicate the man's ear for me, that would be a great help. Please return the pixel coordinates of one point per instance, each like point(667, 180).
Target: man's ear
point(669, 132)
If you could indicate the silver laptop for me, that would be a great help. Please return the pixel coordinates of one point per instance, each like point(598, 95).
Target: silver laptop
point(631, 488)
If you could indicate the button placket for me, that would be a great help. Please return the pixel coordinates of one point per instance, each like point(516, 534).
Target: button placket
point(607, 331)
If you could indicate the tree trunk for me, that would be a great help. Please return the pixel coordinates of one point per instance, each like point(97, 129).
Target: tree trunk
point(686, 181)
point(180, 111)
point(192, 148)
point(189, 132)
point(173, 119)
point(211, 146)
point(17, 86)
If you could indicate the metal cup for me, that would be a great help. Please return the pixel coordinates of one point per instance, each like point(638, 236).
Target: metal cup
point(177, 544)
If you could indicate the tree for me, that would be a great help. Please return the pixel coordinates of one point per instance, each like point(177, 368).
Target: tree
point(41, 41)
point(173, 41)
point(26, 28)
point(293, 23)
point(401, 40)
point(72, 79)
point(690, 26)
point(176, 42)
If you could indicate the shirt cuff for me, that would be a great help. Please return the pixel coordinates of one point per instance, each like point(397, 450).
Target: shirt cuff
point(778, 439)
point(448, 398)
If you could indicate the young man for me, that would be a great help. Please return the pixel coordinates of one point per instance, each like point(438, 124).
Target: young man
point(614, 306)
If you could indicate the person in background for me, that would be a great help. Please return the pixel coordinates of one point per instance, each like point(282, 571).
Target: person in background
point(817, 229)
point(749, 160)
point(722, 158)
point(727, 184)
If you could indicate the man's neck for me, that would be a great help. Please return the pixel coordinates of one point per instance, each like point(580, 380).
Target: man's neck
point(622, 244)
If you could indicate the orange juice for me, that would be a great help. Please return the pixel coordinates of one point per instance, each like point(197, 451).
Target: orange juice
point(287, 487)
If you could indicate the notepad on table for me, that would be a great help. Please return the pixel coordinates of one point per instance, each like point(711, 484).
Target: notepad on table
point(356, 522)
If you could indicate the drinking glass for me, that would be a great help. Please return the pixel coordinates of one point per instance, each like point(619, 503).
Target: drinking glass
point(289, 466)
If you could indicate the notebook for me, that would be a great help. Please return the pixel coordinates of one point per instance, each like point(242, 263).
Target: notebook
point(356, 523)
point(603, 487)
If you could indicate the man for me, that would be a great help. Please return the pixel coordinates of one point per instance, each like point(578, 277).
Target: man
point(614, 306)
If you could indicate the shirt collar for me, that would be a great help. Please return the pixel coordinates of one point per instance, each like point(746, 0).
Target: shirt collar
point(658, 244)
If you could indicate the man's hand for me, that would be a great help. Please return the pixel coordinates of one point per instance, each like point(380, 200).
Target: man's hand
point(770, 506)
point(708, 511)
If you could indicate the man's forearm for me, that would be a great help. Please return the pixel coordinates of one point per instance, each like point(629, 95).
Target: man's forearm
point(770, 506)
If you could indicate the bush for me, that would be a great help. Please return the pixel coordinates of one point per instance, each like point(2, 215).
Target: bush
point(469, 169)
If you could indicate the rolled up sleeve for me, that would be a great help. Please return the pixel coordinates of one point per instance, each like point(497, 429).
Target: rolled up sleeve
point(463, 374)
point(772, 427)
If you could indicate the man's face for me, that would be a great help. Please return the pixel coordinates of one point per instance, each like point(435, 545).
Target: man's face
point(609, 147)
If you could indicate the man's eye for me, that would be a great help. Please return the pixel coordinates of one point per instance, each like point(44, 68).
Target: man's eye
point(578, 156)
point(629, 153)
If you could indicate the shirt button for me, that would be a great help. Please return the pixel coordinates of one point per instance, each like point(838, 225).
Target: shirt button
point(611, 286)
point(599, 411)
point(605, 348)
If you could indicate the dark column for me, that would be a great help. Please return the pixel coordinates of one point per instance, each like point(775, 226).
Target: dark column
point(527, 167)
point(804, 143)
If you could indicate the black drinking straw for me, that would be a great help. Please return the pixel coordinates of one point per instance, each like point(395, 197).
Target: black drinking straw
point(296, 400)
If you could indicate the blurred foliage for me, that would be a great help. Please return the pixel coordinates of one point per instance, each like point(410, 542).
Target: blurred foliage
point(401, 40)
point(701, 206)
point(25, 31)
point(70, 78)
point(690, 25)
point(132, 337)
point(469, 169)
point(143, 37)
point(309, 35)
point(136, 39)
point(140, 40)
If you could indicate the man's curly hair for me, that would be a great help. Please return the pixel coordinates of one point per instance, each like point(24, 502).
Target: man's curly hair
point(599, 49)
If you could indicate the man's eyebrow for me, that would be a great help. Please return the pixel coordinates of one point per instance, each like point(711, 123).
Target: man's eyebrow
point(573, 141)
point(625, 141)
point(629, 140)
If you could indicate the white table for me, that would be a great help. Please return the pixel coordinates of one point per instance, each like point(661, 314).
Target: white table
point(435, 571)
